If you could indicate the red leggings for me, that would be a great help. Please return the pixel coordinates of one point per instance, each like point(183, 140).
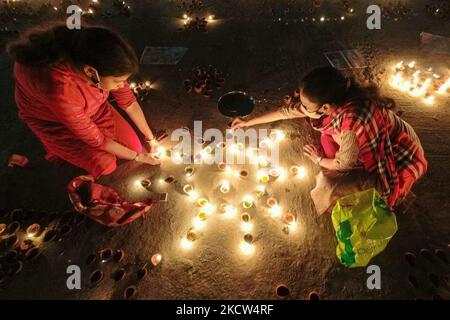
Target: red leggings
point(330, 147)
point(126, 136)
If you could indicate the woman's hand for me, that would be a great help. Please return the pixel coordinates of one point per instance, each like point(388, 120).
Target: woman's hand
point(151, 145)
point(238, 123)
point(312, 153)
point(147, 158)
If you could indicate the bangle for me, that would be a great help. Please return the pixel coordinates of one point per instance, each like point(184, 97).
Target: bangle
point(137, 155)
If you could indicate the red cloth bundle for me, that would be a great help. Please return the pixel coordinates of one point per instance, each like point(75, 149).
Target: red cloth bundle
point(104, 204)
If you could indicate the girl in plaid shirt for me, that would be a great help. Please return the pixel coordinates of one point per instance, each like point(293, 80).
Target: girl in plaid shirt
point(363, 142)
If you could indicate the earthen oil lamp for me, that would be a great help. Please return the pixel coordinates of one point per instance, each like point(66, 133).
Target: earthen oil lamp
point(105, 254)
point(96, 277)
point(282, 291)
point(272, 202)
point(222, 166)
point(156, 259)
point(119, 274)
point(130, 292)
point(119, 255)
point(189, 171)
point(225, 187)
point(243, 174)
point(13, 227)
point(2, 228)
point(33, 230)
point(32, 254)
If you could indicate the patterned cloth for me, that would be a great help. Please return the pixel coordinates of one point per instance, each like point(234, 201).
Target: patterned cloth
point(384, 147)
point(103, 204)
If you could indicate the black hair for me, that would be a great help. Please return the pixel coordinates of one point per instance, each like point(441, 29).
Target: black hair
point(328, 85)
point(97, 46)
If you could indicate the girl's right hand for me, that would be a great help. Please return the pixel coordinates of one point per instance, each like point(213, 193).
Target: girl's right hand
point(238, 123)
point(148, 159)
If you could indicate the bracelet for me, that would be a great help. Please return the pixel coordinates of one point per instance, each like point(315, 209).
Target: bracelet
point(319, 159)
point(137, 155)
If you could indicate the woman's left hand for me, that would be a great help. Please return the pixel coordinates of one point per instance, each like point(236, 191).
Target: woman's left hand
point(311, 152)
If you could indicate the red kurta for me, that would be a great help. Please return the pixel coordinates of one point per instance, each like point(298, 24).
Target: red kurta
point(73, 119)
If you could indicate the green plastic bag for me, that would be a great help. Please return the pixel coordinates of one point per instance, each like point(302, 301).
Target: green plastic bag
point(364, 224)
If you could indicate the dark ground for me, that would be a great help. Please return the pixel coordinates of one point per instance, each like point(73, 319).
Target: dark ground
point(266, 59)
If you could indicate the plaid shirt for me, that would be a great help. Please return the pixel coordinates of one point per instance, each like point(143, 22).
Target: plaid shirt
point(385, 147)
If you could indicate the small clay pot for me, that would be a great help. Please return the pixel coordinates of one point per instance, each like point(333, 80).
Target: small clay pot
point(191, 235)
point(119, 274)
point(141, 273)
point(170, 179)
point(96, 277)
point(32, 254)
point(189, 171)
point(248, 238)
point(119, 255)
point(245, 217)
point(313, 296)
point(282, 291)
point(243, 173)
point(105, 254)
point(410, 258)
point(12, 241)
point(129, 292)
point(156, 259)
point(34, 230)
point(289, 218)
point(13, 227)
point(222, 166)
point(146, 183)
point(427, 254)
point(271, 202)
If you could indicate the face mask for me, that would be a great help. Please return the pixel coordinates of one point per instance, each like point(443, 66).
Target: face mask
point(96, 80)
point(312, 115)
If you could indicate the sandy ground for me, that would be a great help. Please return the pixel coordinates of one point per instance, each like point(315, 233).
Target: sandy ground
point(267, 59)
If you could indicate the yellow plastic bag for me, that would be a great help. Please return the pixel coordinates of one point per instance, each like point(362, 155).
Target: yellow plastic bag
point(364, 224)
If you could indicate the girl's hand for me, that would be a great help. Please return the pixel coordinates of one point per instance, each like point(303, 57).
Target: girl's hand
point(147, 158)
point(151, 145)
point(238, 123)
point(312, 153)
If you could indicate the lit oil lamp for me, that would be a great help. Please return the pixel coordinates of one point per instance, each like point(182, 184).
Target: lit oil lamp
point(260, 191)
point(189, 171)
point(156, 259)
point(271, 202)
point(225, 187)
point(247, 202)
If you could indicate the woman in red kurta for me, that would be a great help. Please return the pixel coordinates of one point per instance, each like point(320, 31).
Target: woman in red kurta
point(63, 80)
